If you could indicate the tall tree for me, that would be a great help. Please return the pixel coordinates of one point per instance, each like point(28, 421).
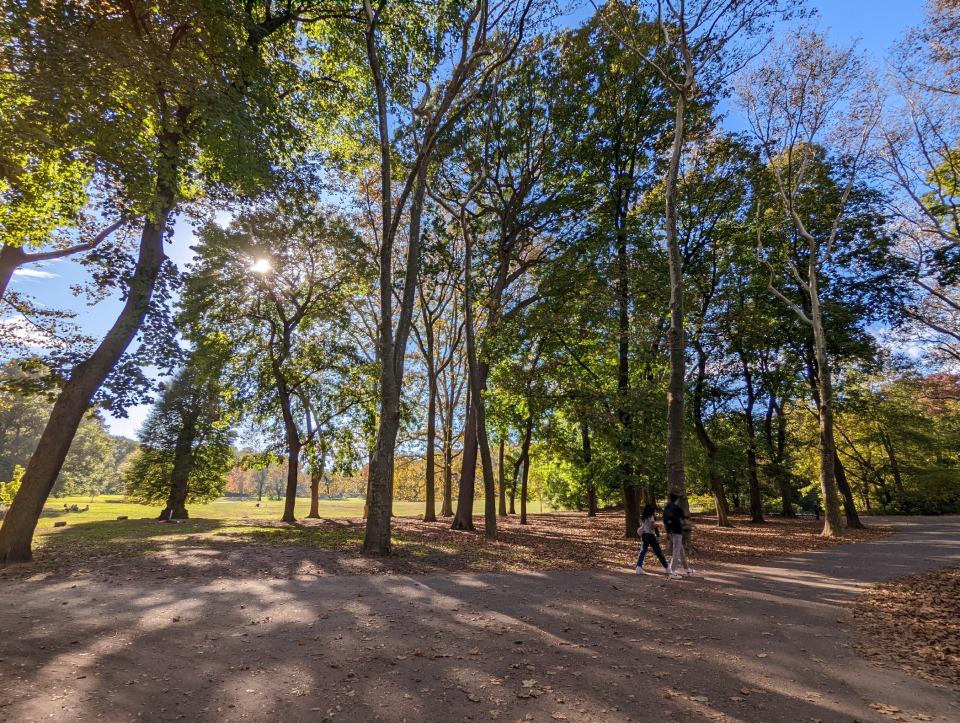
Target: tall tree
point(426, 63)
point(617, 110)
point(806, 93)
point(277, 282)
point(699, 45)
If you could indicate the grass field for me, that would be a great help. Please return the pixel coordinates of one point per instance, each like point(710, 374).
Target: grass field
point(109, 507)
point(97, 531)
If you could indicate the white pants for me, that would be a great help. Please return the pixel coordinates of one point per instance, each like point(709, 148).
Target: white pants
point(678, 556)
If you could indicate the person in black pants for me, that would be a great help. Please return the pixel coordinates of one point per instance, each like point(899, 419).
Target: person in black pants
point(648, 536)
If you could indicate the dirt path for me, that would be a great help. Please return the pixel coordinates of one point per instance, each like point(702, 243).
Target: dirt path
point(757, 643)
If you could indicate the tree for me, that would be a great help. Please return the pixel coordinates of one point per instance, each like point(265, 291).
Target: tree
point(921, 145)
point(8, 490)
point(89, 464)
point(172, 101)
point(616, 117)
point(277, 283)
point(700, 43)
point(804, 94)
point(186, 444)
point(439, 341)
point(448, 51)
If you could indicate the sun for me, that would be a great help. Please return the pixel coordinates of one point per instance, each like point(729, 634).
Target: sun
point(261, 266)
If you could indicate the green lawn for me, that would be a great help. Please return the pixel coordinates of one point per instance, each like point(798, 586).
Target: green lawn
point(109, 507)
point(98, 531)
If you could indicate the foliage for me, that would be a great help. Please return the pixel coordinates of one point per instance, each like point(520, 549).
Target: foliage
point(188, 422)
point(8, 490)
point(91, 466)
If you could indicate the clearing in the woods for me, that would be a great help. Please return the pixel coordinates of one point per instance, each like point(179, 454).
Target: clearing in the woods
point(200, 628)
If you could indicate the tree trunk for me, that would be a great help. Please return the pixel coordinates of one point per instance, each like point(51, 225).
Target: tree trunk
point(315, 477)
point(10, 258)
point(20, 521)
point(777, 449)
point(366, 496)
point(631, 507)
point(377, 537)
point(489, 487)
point(430, 513)
point(176, 508)
point(709, 446)
point(317, 471)
point(832, 525)
point(293, 480)
point(477, 376)
point(525, 456)
point(463, 520)
point(501, 473)
point(894, 463)
point(849, 506)
point(756, 498)
point(676, 475)
point(447, 509)
point(587, 461)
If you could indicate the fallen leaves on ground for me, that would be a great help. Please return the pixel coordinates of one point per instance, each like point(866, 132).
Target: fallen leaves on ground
point(914, 623)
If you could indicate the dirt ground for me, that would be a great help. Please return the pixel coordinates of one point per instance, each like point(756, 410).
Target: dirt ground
point(747, 640)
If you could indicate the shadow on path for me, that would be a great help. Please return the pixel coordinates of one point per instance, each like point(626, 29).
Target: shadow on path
point(766, 642)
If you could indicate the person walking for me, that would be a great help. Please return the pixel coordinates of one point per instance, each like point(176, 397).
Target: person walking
point(648, 536)
point(673, 520)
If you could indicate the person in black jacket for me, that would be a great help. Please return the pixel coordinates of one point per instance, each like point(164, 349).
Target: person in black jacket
point(673, 517)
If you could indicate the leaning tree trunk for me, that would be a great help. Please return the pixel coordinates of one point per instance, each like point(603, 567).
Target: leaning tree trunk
point(10, 258)
point(849, 506)
point(477, 377)
point(709, 446)
point(20, 521)
point(894, 462)
point(463, 520)
point(176, 508)
point(447, 509)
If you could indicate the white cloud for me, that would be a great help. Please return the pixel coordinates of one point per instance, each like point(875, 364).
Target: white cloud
point(35, 274)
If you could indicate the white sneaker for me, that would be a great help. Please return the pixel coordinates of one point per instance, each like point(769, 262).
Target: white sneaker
point(672, 575)
point(640, 570)
point(691, 571)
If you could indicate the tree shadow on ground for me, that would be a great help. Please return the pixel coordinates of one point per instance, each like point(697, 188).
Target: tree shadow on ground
point(744, 643)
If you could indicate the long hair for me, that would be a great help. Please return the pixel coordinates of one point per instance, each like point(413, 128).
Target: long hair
point(648, 511)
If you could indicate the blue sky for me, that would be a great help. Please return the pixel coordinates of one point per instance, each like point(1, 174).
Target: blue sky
point(875, 24)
